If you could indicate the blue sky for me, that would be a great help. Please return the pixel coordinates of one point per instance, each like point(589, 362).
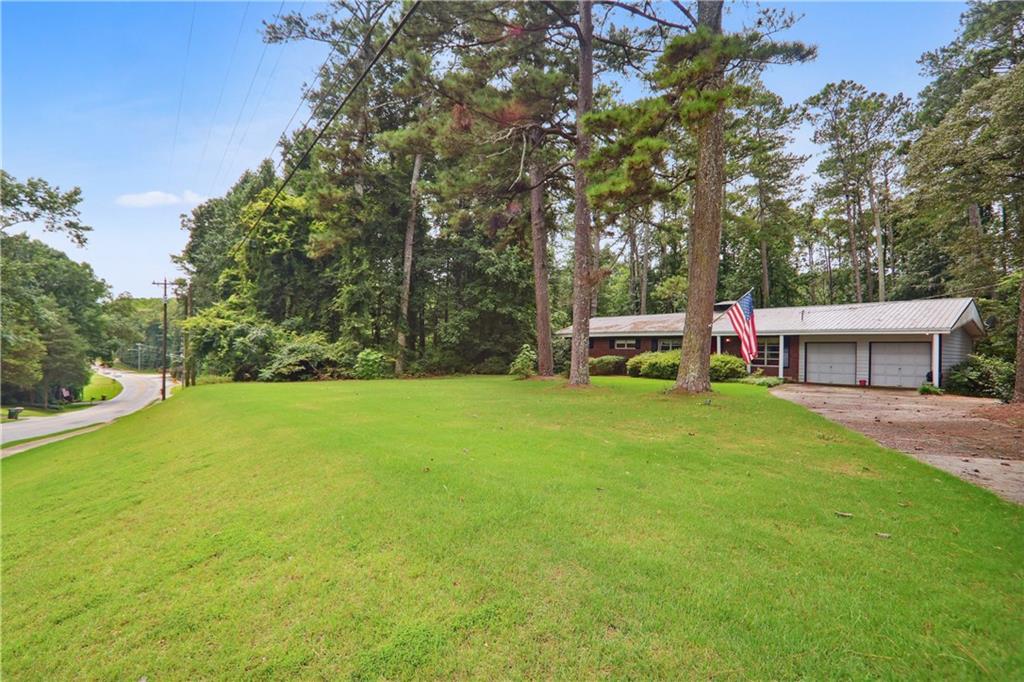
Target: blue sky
point(91, 91)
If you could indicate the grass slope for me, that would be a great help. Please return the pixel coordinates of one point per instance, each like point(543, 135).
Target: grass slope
point(100, 386)
point(487, 528)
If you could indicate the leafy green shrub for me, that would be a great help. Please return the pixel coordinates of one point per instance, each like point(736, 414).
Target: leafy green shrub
point(298, 359)
point(654, 365)
point(204, 379)
point(492, 365)
point(726, 367)
point(525, 363)
point(371, 364)
point(561, 354)
point(636, 363)
point(982, 375)
point(929, 389)
point(663, 365)
point(607, 365)
point(759, 380)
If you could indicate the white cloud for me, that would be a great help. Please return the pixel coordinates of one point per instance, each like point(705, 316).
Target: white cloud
point(158, 198)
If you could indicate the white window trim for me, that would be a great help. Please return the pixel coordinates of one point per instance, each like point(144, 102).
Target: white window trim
point(625, 344)
point(670, 343)
point(763, 344)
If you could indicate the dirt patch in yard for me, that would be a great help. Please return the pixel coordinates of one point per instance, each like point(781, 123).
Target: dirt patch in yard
point(1011, 415)
point(976, 439)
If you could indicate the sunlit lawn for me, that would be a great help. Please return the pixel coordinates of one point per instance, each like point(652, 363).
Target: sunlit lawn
point(489, 528)
point(100, 388)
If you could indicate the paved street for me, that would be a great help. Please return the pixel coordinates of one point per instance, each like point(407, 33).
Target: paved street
point(139, 390)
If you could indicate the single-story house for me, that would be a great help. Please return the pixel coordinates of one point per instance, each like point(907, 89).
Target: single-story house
point(896, 343)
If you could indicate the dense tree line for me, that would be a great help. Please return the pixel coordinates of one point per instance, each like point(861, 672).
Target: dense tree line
point(488, 183)
point(57, 316)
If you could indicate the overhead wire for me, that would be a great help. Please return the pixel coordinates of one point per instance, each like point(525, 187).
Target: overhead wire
point(241, 110)
point(348, 95)
point(223, 87)
point(259, 100)
point(181, 90)
point(320, 74)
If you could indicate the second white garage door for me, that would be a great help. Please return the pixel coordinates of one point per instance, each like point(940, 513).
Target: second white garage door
point(831, 363)
point(900, 364)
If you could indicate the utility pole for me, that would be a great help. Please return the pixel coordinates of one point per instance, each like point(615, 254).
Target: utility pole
point(138, 356)
point(163, 360)
point(188, 373)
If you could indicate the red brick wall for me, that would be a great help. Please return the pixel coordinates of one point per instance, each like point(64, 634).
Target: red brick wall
point(606, 346)
point(730, 345)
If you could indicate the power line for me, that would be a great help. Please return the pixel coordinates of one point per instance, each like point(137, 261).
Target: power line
point(181, 91)
point(320, 75)
point(245, 101)
point(305, 94)
point(263, 96)
point(330, 120)
point(223, 87)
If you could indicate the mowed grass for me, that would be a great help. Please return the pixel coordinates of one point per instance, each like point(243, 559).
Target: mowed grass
point(26, 412)
point(488, 528)
point(101, 387)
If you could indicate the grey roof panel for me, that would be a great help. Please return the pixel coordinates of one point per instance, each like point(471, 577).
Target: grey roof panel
point(939, 315)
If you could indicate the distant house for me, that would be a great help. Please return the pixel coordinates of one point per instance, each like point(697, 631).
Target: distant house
point(897, 343)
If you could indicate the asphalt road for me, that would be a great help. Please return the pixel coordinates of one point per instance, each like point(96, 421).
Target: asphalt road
point(139, 390)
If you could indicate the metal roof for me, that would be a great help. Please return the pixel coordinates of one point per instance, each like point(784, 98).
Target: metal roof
point(931, 316)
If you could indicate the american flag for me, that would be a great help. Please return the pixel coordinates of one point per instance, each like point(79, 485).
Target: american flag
point(741, 314)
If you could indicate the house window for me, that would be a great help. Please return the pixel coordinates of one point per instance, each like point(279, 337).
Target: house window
point(768, 354)
point(669, 344)
point(625, 344)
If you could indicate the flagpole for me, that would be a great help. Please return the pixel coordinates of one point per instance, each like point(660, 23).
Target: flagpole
point(724, 312)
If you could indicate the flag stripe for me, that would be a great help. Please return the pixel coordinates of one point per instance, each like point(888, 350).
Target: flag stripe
point(741, 316)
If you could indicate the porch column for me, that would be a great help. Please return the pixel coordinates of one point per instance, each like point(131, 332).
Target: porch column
point(935, 360)
point(782, 349)
point(718, 345)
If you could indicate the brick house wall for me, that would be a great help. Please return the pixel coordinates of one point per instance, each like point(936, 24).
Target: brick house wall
point(606, 346)
point(730, 344)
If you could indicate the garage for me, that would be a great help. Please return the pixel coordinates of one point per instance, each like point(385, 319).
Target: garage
point(904, 365)
point(831, 363)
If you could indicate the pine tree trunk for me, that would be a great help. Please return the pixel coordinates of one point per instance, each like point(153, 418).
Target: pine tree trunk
point(765, 282)
point(542, 302)
point(706, 229)
point(595, 268)
point(879, 247)
point(813, 288)
point(828, 270)
point(1018, 383)
point(410, 234)
point(854, 260)
point(644, 266)
point(634, 268)
point(583, 279)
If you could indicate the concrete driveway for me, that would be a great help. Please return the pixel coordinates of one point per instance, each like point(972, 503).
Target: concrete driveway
point(139, 390)
point(945, 431)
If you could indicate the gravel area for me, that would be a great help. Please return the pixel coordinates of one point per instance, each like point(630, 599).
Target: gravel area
point(973, 438)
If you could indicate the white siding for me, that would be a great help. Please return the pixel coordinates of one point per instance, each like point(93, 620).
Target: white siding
point(955, 349)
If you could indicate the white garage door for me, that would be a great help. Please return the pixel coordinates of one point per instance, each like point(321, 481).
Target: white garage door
point(900, 364)
point(831, 363)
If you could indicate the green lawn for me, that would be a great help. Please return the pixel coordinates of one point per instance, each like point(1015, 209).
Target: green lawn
point(27, 412)
point(99, 386)
point(494, 529)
